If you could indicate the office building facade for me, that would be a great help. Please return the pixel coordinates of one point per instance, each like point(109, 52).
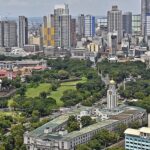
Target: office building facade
point(115, 22)
point(136, 25)
point(48, 31)
point(8, 34)
point(147, 26)
point(81, 26)
point(23, 31)
point(127, 22)
point(102, 24)
point(89, 26)
point(73, 33)
point(62, 25)
point(145, 9)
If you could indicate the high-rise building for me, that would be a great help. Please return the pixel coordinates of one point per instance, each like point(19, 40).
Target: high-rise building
point(112, 96)
point(145, 10)
point(89, 26)
point(127, 22)
point(8, 33)
point(147, 29)
point(48, 31)
point(102, 23)
point(136, 25)
point(115, 22)
point(23, 31)
point(62, 25)
point(1, 34)
point(73, 33)
point(81, 25)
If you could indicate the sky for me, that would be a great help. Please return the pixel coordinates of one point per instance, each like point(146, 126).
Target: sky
point(39, 8)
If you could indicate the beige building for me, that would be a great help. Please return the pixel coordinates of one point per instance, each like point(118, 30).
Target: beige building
point(33, 40)
point(93, 47)
point(48, 31)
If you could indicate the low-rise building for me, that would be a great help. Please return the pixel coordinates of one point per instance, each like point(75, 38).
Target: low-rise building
point(9, 65)
point(137, 139)
point(84, 54)
point(52, 136)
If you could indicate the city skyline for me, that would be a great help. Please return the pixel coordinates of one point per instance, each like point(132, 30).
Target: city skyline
point(29, 8)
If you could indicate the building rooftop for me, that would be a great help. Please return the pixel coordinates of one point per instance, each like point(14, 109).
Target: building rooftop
point(52, 124)
point(59, 121)
point(128, 111)
point(39, 132)
point(88, 129)
point(132, 132)
point(145, 130)
point(137, 132)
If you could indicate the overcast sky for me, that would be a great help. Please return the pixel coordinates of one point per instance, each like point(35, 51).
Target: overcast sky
point(38, 8)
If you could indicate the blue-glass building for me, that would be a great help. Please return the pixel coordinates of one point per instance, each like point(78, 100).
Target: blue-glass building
point(89, 26)
point(137, 139)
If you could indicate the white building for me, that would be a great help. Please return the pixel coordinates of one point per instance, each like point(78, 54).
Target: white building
point(51, 136)
point(62, 25)
point(115, 22)
point(112, 96)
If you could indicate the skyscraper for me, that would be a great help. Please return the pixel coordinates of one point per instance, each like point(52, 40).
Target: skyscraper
point(8, 33)
point(62, 25)
point(112, 96)
point(89, 26)
point(48, 31)
point(73, 33)
point(145, 10)
point(23, 31)
point(115, 22)
point(127, 22)
point(81, 26)
point(136, 25)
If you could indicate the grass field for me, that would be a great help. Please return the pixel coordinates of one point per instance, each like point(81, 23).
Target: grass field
point(65, 86)
point(34, 92)
point(44, 87)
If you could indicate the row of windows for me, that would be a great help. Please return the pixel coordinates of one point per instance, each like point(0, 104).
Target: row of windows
point(135, 147)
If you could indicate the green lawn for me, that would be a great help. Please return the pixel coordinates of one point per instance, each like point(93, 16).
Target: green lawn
point(44, 87)
point(34, 92)
point(65, 86)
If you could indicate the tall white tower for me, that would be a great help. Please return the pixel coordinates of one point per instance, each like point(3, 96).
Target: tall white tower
point(112, 98)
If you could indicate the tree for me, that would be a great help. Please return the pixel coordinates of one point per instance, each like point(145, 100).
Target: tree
point(22, 91)
point(106, 138)
point(12, 104)
point(120, 129)
point(43, 95)
point(63, 74)
point(72, 124)
point(86, 121)
point(94, 144)
point(139, 95)
point(6, 83)
point(83, 147)
point(17, 132)
point(16, 82)
point(35, 116)
point(71, 97)
point(135, 124)
point(2, 147)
